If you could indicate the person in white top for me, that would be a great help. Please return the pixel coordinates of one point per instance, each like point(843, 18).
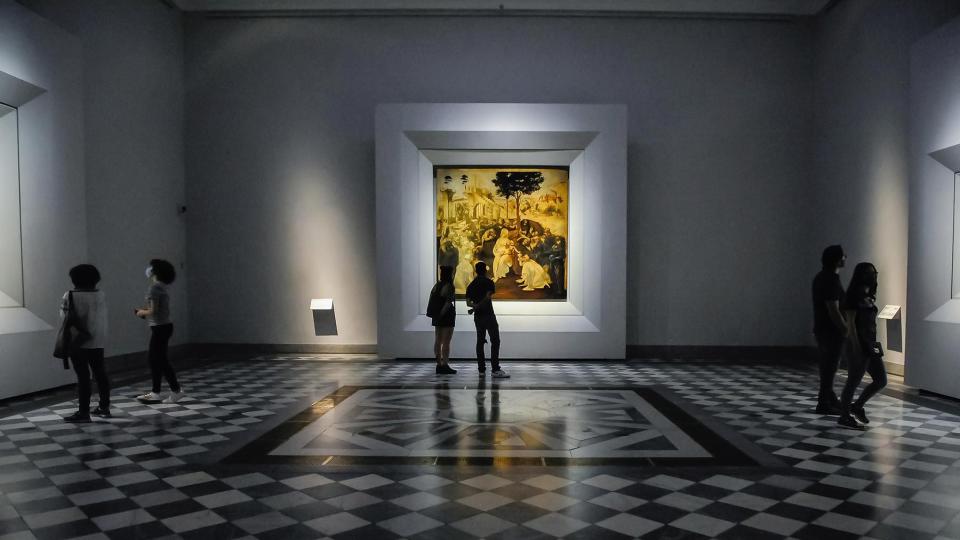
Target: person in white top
point(90, 322)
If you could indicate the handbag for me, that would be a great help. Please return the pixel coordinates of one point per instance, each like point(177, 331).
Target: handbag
point(69, 333)
point(435, 303)
point(61, 349)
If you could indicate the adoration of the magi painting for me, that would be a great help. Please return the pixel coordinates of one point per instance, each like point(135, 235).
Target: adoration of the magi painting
point(512, 218)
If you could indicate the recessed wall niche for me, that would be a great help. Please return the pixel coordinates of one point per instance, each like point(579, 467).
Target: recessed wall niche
point(589, 140)
point(11, 256)
point(949, 157)
point(14, 94)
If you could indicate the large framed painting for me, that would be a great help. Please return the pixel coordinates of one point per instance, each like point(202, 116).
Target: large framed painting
point(514, 219)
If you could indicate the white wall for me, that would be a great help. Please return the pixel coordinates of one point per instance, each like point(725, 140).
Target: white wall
point(860, 158)
point(935, 124)
point(52, 188)
point(133, 105)
point(280, 171)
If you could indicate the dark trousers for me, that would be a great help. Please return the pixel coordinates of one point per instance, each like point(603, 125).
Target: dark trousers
point(159, 364)
point(857, 366)
point(830, 349)
point(85, 361)
point(484, 327)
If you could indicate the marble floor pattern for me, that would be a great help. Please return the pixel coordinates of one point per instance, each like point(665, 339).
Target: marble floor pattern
point(490, 421)
point(164, 471)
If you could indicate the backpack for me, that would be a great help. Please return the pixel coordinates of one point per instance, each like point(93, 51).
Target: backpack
point(436, 301)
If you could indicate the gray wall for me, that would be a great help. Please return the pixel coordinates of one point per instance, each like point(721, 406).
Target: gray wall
point(133, 105)
point(935, 124)
point(52, 189)
point(860, 158)
point(280, 172)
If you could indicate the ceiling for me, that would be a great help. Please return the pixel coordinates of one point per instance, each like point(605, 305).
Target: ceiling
point(675, 8)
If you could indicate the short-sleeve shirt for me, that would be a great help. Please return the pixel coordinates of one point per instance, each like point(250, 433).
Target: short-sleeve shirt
point(477, 291)
point(158, 295)
point(826, 288)
point(865, 308)
point(446, 317)
point(90, 308)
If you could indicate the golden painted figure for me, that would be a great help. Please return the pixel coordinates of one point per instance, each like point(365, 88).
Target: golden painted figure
point(512, 218)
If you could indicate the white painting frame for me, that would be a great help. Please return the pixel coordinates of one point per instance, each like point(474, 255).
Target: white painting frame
point(591, 139)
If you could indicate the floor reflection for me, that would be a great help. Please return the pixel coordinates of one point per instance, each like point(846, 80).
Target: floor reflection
point(494, 421)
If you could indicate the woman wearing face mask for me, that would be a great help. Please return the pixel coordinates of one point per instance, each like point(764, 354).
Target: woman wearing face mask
point(157, 312)
point(865, 354)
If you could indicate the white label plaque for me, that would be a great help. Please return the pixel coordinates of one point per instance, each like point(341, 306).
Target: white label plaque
point(889, 312)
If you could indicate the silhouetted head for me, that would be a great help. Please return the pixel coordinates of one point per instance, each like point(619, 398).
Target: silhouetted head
point(833, 257)
point(480, 268)
point(85, 276)
point(163, 270)
point(864, 281)
point(446, 273)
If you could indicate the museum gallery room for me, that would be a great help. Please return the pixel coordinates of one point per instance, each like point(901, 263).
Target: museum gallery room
point(494, 269)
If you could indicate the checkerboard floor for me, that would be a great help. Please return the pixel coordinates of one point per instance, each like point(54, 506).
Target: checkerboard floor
point(152, 471)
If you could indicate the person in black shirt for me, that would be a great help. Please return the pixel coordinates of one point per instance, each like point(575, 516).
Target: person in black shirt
point(479, 299)
point(829, 326)
point(444, 319)
point(864, 353)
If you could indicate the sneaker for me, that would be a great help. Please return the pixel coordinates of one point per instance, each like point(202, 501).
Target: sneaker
point(101, 412)
point(850, 423)
point(860, 414)
point(445, 369)
point(482, 373)
point(77, 418)
point(500, 374)
point(174, 397)
point(828, 410)
point(150, 397)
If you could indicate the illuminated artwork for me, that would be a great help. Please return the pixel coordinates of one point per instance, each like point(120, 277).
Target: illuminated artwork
point(512, 218)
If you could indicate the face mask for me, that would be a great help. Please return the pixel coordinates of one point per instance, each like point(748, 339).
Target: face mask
point(149, 271)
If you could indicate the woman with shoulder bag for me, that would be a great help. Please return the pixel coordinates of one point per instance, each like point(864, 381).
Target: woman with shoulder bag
point(87, 309)
point(865, 353)
point(443, 316)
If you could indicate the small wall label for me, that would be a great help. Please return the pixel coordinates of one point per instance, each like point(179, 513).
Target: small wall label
point(889, 312)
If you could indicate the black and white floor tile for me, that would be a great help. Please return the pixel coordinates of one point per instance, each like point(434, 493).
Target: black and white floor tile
point(187, 470)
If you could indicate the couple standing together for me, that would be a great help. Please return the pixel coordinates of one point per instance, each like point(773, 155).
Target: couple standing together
point(443, 314)
point(84, 309)
point(847, 320)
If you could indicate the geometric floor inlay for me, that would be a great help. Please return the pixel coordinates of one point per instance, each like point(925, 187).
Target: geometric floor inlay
point(537, 426)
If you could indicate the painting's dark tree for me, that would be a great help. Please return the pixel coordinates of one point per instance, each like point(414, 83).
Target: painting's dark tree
point(516, 184)
point(449, 193)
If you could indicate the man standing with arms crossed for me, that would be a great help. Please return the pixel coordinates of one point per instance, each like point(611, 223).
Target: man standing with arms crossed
point(829, 326)
point(479, 299)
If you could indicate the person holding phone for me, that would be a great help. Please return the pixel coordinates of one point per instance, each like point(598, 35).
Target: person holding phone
point(157, 313)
